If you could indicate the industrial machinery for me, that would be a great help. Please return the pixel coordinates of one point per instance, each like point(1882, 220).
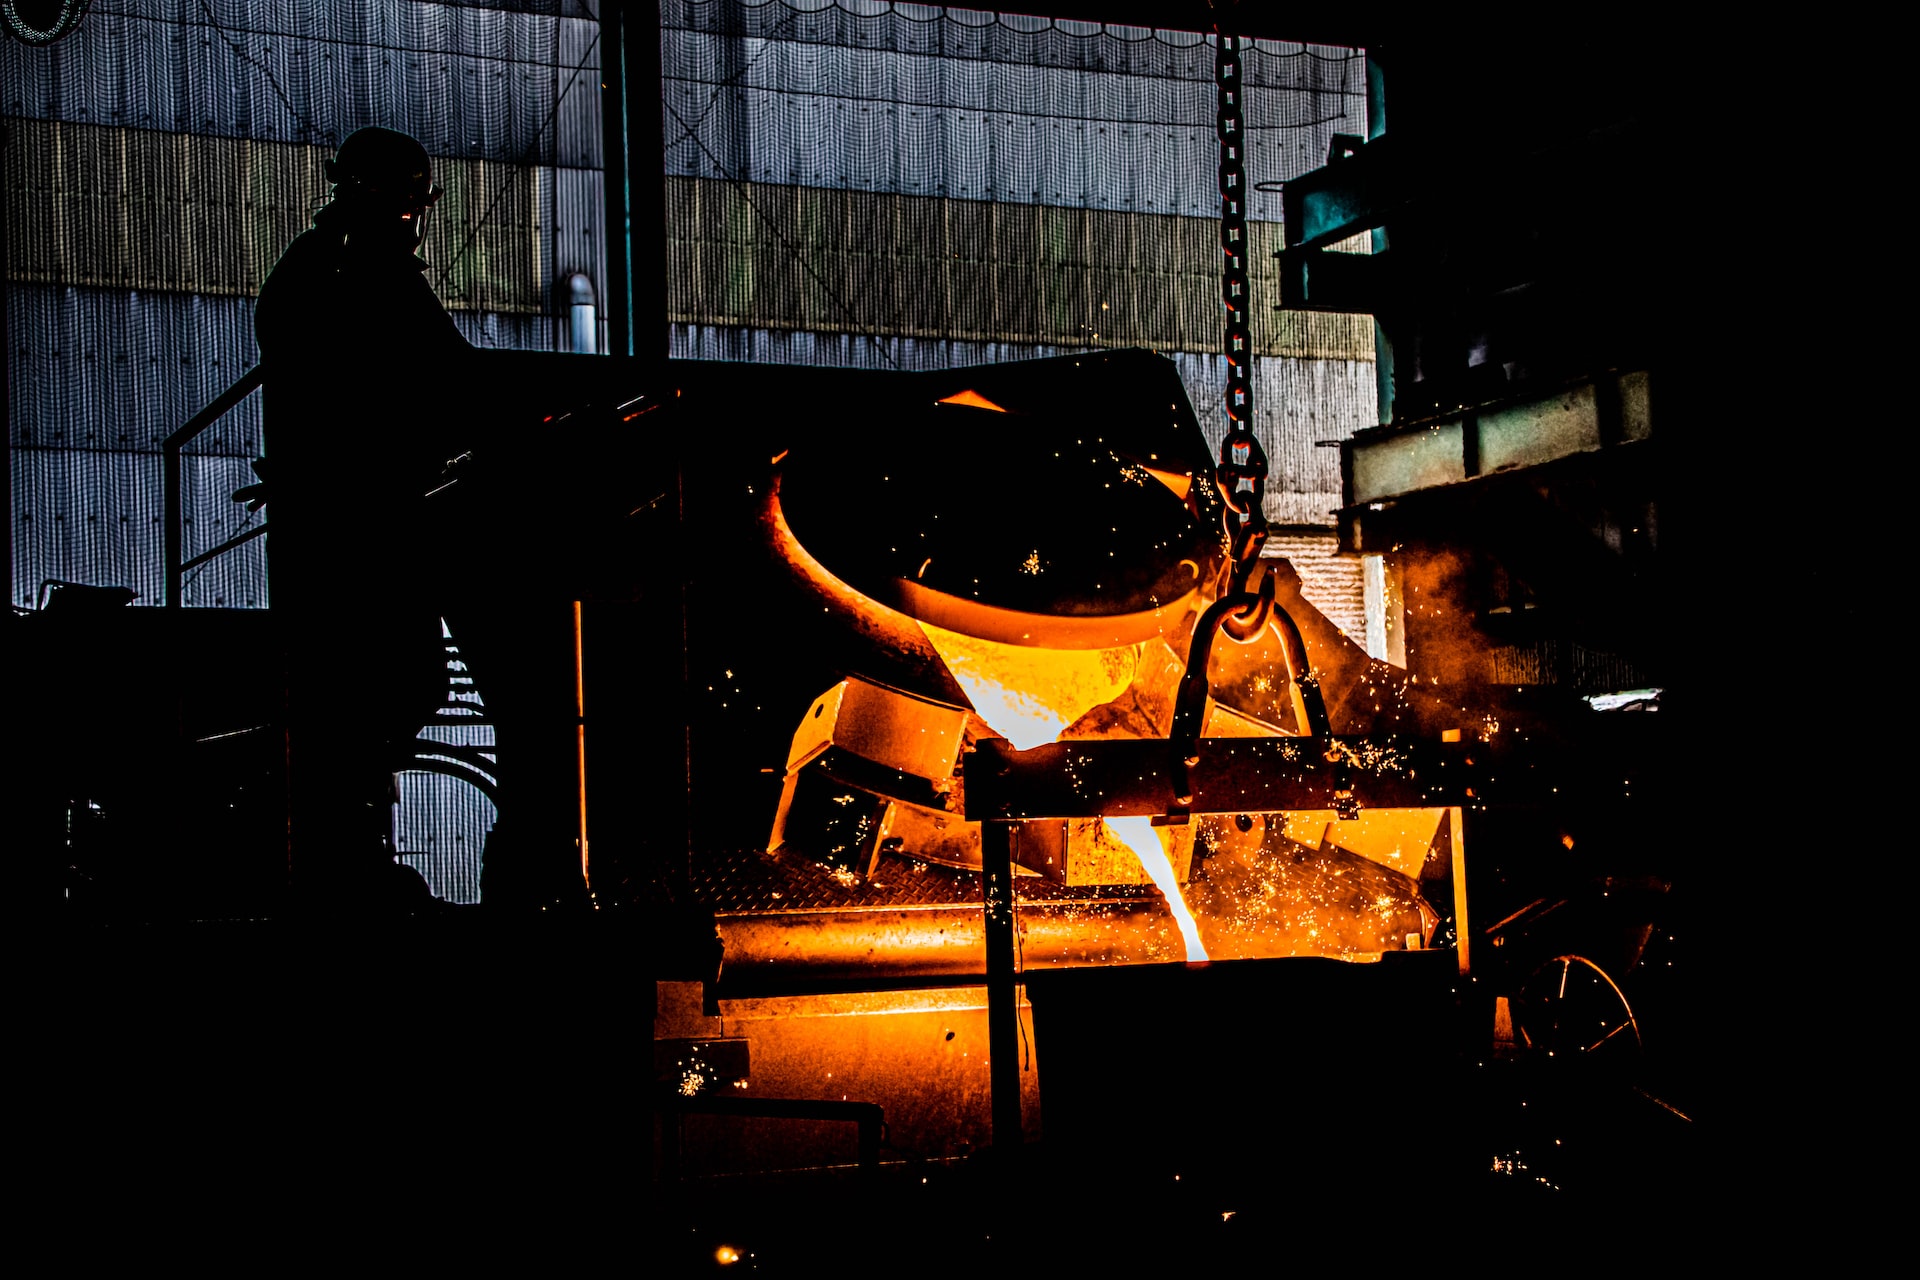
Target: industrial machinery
point(1035, 568)
point(1028, 749)
point(995, 746)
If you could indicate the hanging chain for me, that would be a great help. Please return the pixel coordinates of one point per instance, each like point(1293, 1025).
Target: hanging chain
point(1241, 457)
point(1241, 611)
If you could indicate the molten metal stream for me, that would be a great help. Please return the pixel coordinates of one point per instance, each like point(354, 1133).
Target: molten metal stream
point(1137, 835)
point(998, 680)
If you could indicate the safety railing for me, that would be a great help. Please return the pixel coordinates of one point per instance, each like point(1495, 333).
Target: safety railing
point(467, 762)
point(177, 563)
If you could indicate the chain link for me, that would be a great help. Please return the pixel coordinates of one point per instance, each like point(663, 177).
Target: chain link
point(1242, 611)
point(1242, 459)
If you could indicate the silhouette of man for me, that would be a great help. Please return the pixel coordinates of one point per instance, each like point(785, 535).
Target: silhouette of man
point(353, 341)
point(370, 390)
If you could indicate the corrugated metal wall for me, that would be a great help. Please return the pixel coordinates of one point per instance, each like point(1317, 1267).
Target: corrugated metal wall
point(157, 163)
point(745, 254)
point(1332, 583)
point(136, 209)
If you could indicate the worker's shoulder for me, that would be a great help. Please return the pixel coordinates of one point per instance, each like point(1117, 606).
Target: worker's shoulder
point(312, 252)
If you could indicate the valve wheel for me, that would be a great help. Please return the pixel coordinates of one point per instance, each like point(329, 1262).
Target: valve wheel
point(1569, 1008)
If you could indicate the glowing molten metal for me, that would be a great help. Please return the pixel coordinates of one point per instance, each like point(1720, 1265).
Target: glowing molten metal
point(1137, 834)
point(1030, 695)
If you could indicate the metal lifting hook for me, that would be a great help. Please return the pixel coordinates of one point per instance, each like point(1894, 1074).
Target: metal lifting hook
point(1190, 704)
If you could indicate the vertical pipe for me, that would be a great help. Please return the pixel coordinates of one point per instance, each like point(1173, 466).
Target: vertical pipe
point(1376, 95)
point(584, 331)
point(683, 575)
point(635, 158)
point(1003, 1008)
point(613, 154)
point(1457, 863)
point(1382, 344)
point(580, 740)
point(6, 347)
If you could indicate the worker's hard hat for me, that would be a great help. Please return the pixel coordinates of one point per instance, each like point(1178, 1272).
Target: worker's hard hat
point(383, 163)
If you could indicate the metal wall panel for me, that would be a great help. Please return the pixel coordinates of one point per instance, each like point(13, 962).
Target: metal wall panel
point(95, 516)
point(135, 209)
point(758, 256)
point(1112, 128)
point(508, 332)
point(442, 831)
point(552, 8)
point(578, 238)
point(1298, 405)
point(901, 186)
point(1332, 583)
point(575, 140)
point(118, 369)
point(977, 35)
point(478, 83)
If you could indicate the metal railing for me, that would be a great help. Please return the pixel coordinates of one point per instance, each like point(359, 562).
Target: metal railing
point(177, 565)
point(469, 763)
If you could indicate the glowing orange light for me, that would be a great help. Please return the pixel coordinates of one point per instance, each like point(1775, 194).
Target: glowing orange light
point(973, 400)
point(1138, 835)
point(1181, 484)
point(726, 1255)
point(1030, 694)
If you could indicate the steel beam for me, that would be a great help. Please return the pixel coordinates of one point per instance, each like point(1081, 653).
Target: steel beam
point(1003, 1005)
point(1133, 778)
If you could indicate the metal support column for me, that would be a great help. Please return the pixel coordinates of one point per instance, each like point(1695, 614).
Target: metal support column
point(1003, 1006)
point(613, 125)
point(6, 452)
point(634, 156)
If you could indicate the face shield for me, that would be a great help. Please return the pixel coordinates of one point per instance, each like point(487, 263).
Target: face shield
point(393, 211)
point(415, 208)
